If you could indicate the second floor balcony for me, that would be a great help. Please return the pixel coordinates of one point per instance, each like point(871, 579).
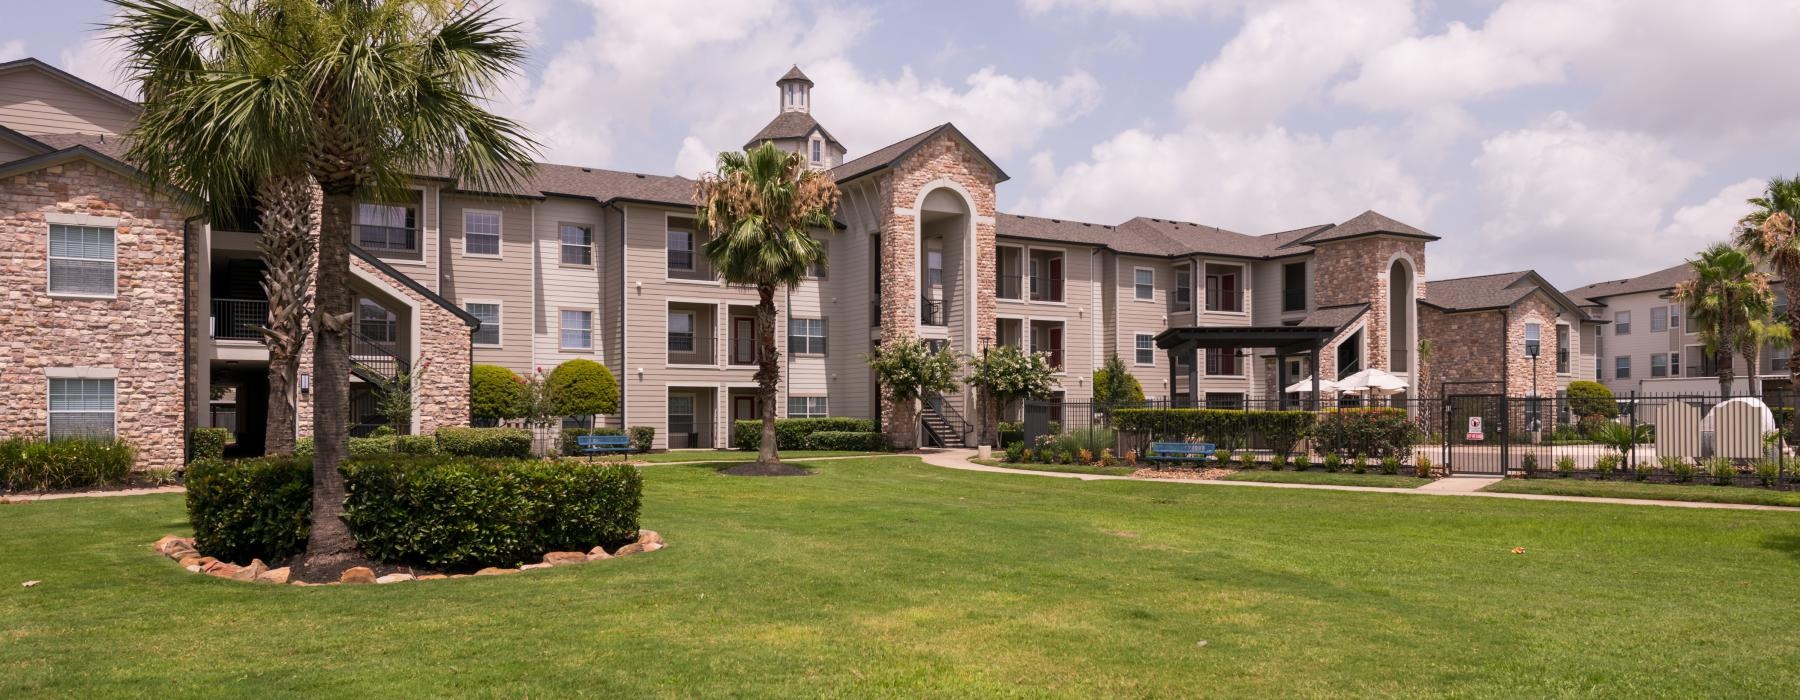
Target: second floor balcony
point(691, 349)
point(387, 239)
point(932, 312)
point(239, 319)
point(1044, 288)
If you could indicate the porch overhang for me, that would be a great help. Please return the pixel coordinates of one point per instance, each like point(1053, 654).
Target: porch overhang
point(1285, 340)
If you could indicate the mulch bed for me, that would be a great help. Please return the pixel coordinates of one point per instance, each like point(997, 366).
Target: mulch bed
point(1208, 473)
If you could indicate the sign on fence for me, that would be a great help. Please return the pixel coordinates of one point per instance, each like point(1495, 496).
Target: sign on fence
point(1474, 429)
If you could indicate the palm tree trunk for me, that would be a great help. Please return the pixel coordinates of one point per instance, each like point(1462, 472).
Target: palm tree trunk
point(768, 371)
point(330, 549)
point(1722, 356)
point(289, 218)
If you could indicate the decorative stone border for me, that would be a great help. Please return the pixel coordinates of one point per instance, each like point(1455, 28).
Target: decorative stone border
point(181, 549)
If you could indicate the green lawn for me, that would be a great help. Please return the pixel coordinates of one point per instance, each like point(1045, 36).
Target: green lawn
point(886, 577)
point(739, 455)
point(1633, 489)
point(1064, 468)
point(1394, 481)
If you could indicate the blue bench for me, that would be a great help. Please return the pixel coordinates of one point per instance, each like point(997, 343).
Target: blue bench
point(603, 444)
point(1180, 452)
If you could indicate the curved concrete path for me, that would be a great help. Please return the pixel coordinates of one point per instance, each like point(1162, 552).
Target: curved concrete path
point(1459, 486)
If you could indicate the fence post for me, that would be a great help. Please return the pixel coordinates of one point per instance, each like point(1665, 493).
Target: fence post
point(1631, 456)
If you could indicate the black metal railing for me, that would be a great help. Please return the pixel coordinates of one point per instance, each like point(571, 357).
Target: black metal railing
point(1009, 286)
point(375, 359)
point(387, 239)
point(947, 410)
point(239, 319)
point(691, 349)
point(1046, 288)
point(931, 312)
point(745, 351)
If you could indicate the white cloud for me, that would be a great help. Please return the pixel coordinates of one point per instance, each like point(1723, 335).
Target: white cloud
point(1284, 56)
point(1004, 115)
point(1715, 218)
point(1131, 8)
point(100, 62)
point(1582, 204)
point(1251, 182)
point(12, 50)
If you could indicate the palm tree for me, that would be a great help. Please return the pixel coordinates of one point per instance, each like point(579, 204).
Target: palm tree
point(1768, 233)
point(357, 95)
point(758, 210)
point(1757, 334)
point(1725, 292)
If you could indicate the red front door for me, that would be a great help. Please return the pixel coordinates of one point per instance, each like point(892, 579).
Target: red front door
point(743, 340)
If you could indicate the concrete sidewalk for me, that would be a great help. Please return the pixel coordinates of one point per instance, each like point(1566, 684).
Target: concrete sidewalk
point(1458, 486)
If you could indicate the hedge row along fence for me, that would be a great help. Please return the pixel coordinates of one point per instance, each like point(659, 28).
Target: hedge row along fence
point(1372, 432)
point(454, 441)
point(419, 510)
point(798, 434)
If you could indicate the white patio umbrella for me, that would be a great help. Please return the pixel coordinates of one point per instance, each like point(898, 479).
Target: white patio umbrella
point(1305, 386)
point(1375, 382)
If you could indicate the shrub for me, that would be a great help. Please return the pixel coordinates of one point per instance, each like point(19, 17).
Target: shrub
point(1722, 470)
point(1131, 458)
point(1246, 460)
point(34, 464)
point(1641, 470)
point(1302, 462)
point(472, 513)
point(250, 509)
point(1277, 463)
point(1334, 463)
point(1281, 430)
point(1390, 465)
point(1377, 432)
point(484, 442)
point(206, 443)
point(1223, 454)
point(1011, 431)
point(643, 437)
point(1359, 463)
point(1015, 451)
point(847, 440)
point(495, 393)
point(791, 433)
point(1683, 470)
point(1422, 467)
point(1591, 399)
point(583, 388)
point(1607, 464)
point(568, 441)
point(1566, 464)
point(415, 444)
point(382, 431)
point(1106, 457)
point(1085, 455)
point(1767, 472)
point(1025, 454)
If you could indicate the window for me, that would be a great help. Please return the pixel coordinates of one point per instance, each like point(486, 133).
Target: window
point(806, 336)
point(817, 269)
point(1046, 273)
point(1224, 362)
point(1659, 365)
point(375, 323)
point(481, 232)
point(1146, 349)
point(1184, 288)
point(1622, 367)
point(1691, 325)
point(1218, 399)
point(1293, 287)
point(1674, 364)
point(1562, 349)
point(1659, 319)
point(934, 268)
point(386, 228)
point(489, 314)
point(81, 408)
point(681, 250)
point(1144, 281)
point(681, 416)
point(1778, 358)
point(807, 407)
point(577, 330)
point(1533, 339)
point(577, 244)
point(815, 150)
point(681, 331)
point(82, 260)
point(1622, 323)
point(1222, 293)
point(1349, 355)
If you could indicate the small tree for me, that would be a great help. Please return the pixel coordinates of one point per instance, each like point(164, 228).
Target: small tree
point(909, 370)
point(1114, 386)
point(539, 407)
point(1005, 374)
point(1588, 399)
point(583, 388)
point(495, 393)
point(394, 398)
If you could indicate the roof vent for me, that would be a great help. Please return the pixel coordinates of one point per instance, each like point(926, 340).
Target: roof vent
point(1056, 221)
point(640, 176)
point(587, 170)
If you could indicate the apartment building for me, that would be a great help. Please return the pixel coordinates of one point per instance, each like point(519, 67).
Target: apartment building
point(1648, 344)
point(581, 262)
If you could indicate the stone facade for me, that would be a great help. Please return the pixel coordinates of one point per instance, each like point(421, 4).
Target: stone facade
point(137, 336)
point(1465, 348)
point(1356, 270)
point(1532, 309)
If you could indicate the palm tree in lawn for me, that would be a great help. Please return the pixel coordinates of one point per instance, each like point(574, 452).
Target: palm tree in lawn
point(1768, 232)
point(361, 94)
point(759, 210)
point(1757, 334)
point(1725, 292)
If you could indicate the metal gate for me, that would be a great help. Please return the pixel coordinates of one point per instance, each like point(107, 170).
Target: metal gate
point(1476, 435)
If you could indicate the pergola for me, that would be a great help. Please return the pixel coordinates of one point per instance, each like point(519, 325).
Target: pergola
point(1285, 340)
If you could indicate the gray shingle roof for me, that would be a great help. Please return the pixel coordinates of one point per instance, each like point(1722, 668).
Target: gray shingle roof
point(605, 185)
point(1657, 281)
point(1480, 292)
point(887, 156)
point(789, 125)
point(112, 146)
point(1364, 224)
point(1335, 316)
point(794, 74)
point(1042, 229)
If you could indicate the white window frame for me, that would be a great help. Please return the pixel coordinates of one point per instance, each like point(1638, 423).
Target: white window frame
point(562, 331)
point(1665, 319)
point(822, 406)
point(562, 246)
point(54, 374)
point(1175, 292)
point(822, 337)
point(1653, 364)
point(50, 260)
point(818, 150)
point(499, 321)
point(1137, 352)
point(499, 234)
point(1534, 334)
point(1564, 330)
point(1615, 373)
point(1622, 322)
point(394, 321)
point(818, 270)
point(1137, 286)
point(693, 249)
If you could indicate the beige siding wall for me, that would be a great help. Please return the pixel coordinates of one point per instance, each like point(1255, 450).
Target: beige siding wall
point(565, 286)
point(10, 152)
point(1082, 305)
point(506, 279)
point(1132, 316)
point(33, 103)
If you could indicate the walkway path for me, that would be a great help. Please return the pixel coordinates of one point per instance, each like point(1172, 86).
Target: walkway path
point(1460, 486)
point(27, 497)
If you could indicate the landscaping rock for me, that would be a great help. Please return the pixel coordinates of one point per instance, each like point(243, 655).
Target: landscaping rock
point(653, 546)
point(165, 544)
point(395, 578)
point(495, 571)
point(249, 573)
point(649, 536)
point(224, 570)
point(196, 561)
point(628, 550)
point(430, 577)
point(598, 553)
point(273, 576)
point(565, 558)
point(194, 568)
point(529, 567)
point(357, 574)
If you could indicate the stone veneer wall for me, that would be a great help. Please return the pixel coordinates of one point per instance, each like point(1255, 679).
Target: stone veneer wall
point(1534, 308)
point(139, 333)
point(1356, 270)
point(1465, 347)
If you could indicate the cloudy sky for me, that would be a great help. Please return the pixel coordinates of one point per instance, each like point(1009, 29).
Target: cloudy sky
point(1588, 139)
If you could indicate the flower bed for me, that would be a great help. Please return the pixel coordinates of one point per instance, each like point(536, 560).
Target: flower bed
point(181, 549)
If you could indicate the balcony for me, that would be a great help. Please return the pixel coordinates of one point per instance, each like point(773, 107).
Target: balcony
point(931, 313)
point(745, 350)
point(1009, 286)
point(1562, 360)
point(387, 239)
point(239, 319)
point(691, 349)
point(1046, 288)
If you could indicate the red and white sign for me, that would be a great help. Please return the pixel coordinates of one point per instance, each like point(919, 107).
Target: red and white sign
point(1474, 428)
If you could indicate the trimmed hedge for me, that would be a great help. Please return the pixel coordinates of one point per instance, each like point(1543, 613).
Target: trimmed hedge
point(34, 464)
point(466, 514)
point(250, 509)
point(643, 437)
point(568, 440)
point(846, 440)
point(378, 446)
point(1373, 432)
point(791, 433)
point(206, 443)
point(1281, 430)
point(485, 442)
point(583, 387)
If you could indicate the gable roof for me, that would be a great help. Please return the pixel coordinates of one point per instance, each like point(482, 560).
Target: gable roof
point(1368, 223)
point(1335, 316)
point(1495, 291)
point(30, 145)
point(609, 186)
point(890, 155)
point(29, 63)
point(794, 74)
point(114, 147)
point(1658, 281)
point(790, 125)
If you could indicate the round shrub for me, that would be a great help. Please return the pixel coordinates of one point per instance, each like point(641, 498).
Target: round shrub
point(206, 443)
point(583, 388)
point(643, 437)
point(846, 440)
point(495, 393)
point(250, 509)
point(484, 442)
point(1591, 399)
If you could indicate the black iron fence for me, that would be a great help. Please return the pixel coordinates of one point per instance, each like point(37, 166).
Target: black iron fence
point(1656, 438)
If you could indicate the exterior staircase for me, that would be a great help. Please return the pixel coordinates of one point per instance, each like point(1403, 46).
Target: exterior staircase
point(375, 364)
point(944, 427)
